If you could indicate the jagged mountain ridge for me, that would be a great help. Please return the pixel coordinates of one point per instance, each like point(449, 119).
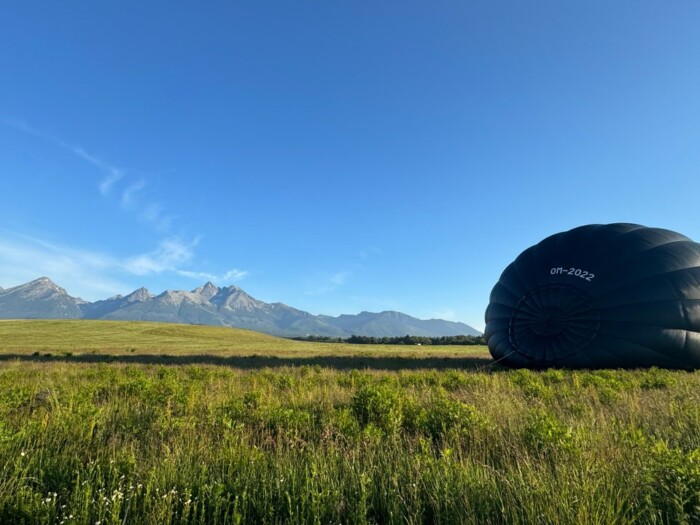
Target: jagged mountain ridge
point(39, 298)
point(212, 305)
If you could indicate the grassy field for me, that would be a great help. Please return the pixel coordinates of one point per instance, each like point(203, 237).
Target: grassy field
point(24, 337)
point(234, 427)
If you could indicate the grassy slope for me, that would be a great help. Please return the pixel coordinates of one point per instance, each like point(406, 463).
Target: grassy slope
point(124, 336)
point(128, 337)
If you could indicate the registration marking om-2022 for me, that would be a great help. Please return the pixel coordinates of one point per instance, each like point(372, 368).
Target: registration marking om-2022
point(575, 272)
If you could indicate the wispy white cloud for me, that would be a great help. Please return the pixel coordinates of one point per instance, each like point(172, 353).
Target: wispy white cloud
point(25, 257)
point(330, 284)
point(85, 273)
point(174, 255)
point(234, 274)
point(150, 212)
point(154, 214)
point(168, 256)
point(106, 184)
point(231, 276)
point(129, 194)
point(21, 126)
point(112, 174)
point(95, 275)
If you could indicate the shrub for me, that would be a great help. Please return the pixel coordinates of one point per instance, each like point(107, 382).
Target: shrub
point(657, 379)
point(543, 432)
point(379, 405)
point(531, 384)
point(674, 483)
point(451, 415)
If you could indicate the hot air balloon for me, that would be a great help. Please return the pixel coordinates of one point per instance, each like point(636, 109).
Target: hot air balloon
point(599, 296)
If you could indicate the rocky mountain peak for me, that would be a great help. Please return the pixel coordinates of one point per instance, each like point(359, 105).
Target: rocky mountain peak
point(41, 287)
point(140, 295)
point(208, 304)
point(207, 291)
point(228, 290)
point(40, 298)
point(234, 298)
point(172, 296)
point(44, 282)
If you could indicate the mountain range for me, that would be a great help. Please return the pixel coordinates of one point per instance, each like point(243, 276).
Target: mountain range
point(212, 305)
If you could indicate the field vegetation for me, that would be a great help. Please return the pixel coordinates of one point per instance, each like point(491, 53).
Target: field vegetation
point(306, 433)
point(23, 337)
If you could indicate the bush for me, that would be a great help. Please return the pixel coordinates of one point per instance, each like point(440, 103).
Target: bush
point(531, 384)
point(543, 433)
point(674, 483)
point(379, 405)
point(657, 379)
point(447, 416)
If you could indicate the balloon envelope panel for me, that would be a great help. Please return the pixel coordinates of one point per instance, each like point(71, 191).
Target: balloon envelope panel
point(602, 295)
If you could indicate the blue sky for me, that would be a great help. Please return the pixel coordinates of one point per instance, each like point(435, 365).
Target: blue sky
point(336, 156)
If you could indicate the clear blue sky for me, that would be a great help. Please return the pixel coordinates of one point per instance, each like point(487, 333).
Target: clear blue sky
point(336, 156)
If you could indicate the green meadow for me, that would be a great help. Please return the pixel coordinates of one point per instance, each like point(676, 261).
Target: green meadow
point(113, 423)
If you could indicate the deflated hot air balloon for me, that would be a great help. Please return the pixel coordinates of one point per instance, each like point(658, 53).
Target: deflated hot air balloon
point(599, 296)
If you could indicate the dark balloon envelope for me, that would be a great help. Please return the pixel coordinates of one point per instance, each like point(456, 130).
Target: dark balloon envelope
point(599, 296)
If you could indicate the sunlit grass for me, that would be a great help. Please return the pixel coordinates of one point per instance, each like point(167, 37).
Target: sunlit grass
point(131, 443)
point(123, 337)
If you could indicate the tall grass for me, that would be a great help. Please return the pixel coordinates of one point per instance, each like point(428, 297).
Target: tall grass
point(115, 443)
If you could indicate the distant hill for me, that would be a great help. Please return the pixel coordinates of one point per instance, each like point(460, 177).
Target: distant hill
point(211, 305)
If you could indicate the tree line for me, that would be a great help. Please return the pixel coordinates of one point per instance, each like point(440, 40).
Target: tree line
point(401, 340)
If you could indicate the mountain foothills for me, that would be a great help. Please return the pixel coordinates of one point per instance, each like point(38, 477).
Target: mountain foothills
point(211, 305)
